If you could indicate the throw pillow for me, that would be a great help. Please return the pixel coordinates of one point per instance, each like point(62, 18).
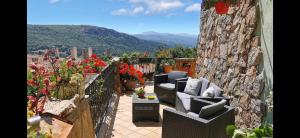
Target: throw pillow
point(209, 92)
point(192, 87)
point(211, 109)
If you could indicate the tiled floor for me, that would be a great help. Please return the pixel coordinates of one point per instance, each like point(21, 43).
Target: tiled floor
point(125, 128)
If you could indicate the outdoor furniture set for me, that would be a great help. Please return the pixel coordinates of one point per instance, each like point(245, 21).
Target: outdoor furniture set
point(201, 110)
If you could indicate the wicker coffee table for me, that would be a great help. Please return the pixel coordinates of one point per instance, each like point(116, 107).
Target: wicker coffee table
point(145, 109)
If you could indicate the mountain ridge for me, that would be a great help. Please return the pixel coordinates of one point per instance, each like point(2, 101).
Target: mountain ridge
point(82, 36)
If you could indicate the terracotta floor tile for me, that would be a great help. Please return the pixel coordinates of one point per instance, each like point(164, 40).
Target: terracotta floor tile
point(143, 131)
point(116, 135)
point(135, 135)
point(152, 135)
point(124, 131)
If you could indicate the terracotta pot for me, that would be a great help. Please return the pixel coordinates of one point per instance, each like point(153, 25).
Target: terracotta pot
point(130, 84)
point(167, 68)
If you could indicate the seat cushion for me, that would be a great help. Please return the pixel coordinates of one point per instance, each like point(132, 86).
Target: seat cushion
point(167, 86)
point(193, 86)
point(209, 92)
point(211, 109)
point(173, 75)
point(217, 90)
point(204, 86)
point(182, 95)
point(193, 114)
point(186, 103)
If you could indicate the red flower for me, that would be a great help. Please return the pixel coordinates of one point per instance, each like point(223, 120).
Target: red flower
point(33, 66)
point(44, 91)
point(30, 82)
point(139, 73)
point(69, 63)
point(94, 56)
point(123, 71)
point(87, 67)
point(221, 8)
point(131, 67)
point(86, 61)
point(31, 98)
point(58, 79)
point(46, 81)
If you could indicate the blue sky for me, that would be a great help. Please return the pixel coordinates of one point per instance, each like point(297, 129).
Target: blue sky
point(128, 16)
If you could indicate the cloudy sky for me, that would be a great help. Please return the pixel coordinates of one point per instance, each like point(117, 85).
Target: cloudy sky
point(128, 16)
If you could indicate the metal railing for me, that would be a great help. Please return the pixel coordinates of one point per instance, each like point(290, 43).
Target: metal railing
point(100, 88)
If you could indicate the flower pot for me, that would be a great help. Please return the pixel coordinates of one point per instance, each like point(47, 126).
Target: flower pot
point(141, 95)
point(167, 68)
point(130, 84)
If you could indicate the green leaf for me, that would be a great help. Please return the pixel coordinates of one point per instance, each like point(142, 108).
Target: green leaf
point(230, 130)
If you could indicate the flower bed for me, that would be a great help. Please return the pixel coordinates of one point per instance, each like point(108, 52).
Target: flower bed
point(61, 80)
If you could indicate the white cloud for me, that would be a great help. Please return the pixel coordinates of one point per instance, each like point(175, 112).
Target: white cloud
point(137, 10)
point(120, 12)
point(54, 1)
point(194, 7)
point(130, 12)
point(155, 6)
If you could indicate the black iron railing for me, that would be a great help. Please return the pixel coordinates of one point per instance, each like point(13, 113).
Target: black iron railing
point(100, 88)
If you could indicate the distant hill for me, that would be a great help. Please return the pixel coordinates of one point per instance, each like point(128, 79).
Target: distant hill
point(81, 36)
point(186, 40)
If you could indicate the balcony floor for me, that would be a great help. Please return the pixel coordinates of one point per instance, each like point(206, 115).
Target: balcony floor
point(124, 127)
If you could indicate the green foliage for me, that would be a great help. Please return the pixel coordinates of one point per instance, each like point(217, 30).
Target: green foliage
point(83, 36)
point(265, 130)
point(230, 129)
point(170, 62)
point(177, 52)
point(140, 91)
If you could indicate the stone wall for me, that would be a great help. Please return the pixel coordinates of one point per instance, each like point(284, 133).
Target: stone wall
point(229, 54)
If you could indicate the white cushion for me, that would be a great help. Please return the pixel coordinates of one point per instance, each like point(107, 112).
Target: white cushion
point(209, 92)
point(192, 87)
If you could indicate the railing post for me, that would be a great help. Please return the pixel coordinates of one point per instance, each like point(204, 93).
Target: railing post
point(116, 63)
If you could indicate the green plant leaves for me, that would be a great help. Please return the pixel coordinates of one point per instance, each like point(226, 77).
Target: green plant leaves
point(230, 130)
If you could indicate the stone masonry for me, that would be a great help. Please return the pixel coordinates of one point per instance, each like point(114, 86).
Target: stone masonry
point(229, 54)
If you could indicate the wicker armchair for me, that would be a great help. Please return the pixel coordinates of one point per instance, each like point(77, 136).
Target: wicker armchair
point(165, 85)
point(177, 124)
point(183, 100)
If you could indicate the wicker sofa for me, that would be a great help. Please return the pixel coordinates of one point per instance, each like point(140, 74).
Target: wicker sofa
point(177, 124)
point(165, 85)
point(183, 100)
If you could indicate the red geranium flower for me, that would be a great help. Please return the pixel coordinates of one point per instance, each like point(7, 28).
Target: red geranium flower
point(46, 81)
point(221, 8)
point(33, 66)
point(69, 63)
point(30, 82)
point(94, 56)
point(44, 91)
point(87, 67)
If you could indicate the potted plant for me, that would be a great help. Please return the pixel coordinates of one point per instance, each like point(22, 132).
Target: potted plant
point(130, 75)
point(140, 93)
point(167, 65)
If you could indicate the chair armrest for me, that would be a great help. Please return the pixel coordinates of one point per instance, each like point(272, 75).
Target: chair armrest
point(180, 85)
point(214, 99)
point(197, 104)
point(180, 79)
point(161, 78)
